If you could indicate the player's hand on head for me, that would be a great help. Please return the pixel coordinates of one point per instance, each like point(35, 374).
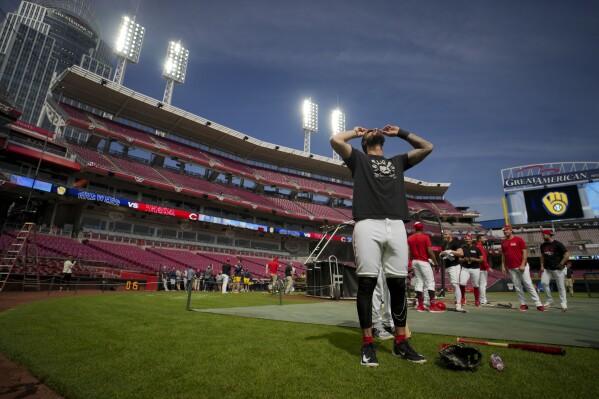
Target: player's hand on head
point(360, 131)
point(390, 130)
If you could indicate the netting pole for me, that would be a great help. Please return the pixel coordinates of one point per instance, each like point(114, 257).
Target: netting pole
point(51, 284)
point(189, 297)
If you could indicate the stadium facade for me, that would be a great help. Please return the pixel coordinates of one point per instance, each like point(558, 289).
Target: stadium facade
point(197, 183)
point(40, 40)
point(198, 188)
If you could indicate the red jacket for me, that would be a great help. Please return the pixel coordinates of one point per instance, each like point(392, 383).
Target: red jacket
point(484, 265)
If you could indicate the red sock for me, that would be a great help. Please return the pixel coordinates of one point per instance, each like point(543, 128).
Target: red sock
point(463, 290)
point(400, 338)
point(367, 340)
point(476, 294)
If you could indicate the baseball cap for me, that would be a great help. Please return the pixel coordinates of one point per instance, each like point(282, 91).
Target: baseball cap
point(468, 236)
point(548, 232)
point(418, 226)
point(508, 227)
point(228, 259)
point(276, 258)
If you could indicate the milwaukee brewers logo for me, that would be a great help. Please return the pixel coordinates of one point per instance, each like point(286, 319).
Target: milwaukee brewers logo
point(556, 203)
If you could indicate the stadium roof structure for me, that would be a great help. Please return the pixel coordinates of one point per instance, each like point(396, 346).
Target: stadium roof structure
point(84, 86)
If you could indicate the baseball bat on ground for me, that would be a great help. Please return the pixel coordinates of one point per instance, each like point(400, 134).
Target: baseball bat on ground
point(552, 350)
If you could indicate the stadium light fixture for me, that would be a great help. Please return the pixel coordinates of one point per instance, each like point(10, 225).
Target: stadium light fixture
point(175, 65)
point(310, 121)
point(175, 68)
point(310, 116)
point(129, 40)
point(337, 125)
point(128, 45)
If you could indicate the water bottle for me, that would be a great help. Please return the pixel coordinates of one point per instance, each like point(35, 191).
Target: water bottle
point(496, 362)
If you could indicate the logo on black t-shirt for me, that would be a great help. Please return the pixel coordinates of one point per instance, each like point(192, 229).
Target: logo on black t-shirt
point(382, 168)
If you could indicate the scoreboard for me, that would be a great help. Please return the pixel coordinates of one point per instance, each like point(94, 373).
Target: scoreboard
point(551, 192)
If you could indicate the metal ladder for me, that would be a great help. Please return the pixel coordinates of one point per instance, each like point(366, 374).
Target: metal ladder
point(19, 245)
point(336, 278)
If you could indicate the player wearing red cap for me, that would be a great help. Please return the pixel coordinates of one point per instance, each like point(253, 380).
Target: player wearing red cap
point(554, 256)
point(514, 256)
point(421, 251)
point(470, 264)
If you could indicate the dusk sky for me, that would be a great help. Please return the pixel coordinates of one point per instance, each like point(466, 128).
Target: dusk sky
point(492, 84)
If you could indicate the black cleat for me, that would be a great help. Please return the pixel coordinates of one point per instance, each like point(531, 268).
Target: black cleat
point(368, 358)
point(403, 349)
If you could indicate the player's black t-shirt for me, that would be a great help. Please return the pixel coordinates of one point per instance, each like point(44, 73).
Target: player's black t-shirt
point(379, 191)
point(454, 245)
point(288, 270)
point(227, 269)
point(471, 252)
point(553, 253)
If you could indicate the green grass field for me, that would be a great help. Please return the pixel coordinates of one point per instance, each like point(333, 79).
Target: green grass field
point(146, 345)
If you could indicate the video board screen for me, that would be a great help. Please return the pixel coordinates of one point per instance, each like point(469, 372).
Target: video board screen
point(556, 203)
point(592, 192)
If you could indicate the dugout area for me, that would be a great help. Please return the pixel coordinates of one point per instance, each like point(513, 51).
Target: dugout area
point(579, 326)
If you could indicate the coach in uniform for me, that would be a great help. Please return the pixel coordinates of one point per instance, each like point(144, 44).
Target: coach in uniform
point(380, 240)
point(450, 255)
point(484, 270)
point(554, 256)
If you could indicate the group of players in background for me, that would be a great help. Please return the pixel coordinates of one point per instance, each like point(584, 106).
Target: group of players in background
point(468, 261)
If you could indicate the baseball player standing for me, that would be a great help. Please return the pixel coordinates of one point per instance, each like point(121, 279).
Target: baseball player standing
point(514, 256)
point(554, 256)
point(470, 264)
point(421, 251)
point(450, 255)
point(484, 270)
point(380, 207)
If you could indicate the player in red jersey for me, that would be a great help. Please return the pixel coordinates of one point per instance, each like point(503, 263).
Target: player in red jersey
point(272, 269)
point(514, 256)
point(420, 252)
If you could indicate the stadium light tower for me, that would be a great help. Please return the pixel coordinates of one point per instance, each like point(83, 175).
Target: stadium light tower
point(338, 125)
point(175, 67)
point(128, 46)
point(310, 124)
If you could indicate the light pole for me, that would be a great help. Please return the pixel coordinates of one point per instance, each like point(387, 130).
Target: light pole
point(310, 122)
point(419, 216)
point(338, 125)
point(128, 46)
point(175, 68)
